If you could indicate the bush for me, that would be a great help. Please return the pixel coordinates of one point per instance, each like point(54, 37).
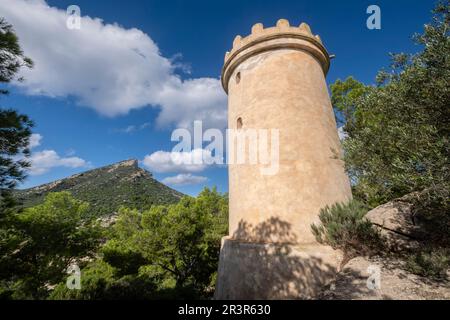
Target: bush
point(344, 227)
point(166, 252)
point(398, 131)
point(43, 241)
point(432, 262)
point(432, 212)
point(100, 281)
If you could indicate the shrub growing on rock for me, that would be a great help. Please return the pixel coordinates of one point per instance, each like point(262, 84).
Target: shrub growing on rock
point(344, 227)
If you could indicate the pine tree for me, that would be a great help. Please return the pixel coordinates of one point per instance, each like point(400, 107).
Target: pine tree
point(15, 128)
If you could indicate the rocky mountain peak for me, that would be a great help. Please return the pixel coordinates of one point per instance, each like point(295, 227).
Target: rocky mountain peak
point(107, 188)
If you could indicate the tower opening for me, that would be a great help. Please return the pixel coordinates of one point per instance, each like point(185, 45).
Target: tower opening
point(238, 77)
point(239, 123)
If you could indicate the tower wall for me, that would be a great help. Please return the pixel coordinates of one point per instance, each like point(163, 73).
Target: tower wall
point(275, 79)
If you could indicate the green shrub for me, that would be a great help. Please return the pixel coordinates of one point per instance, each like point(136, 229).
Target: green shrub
point(100, 281)
point(166, 252)
point(398, 131)
point(344, 227)
point(43, 241)
point(432, 262)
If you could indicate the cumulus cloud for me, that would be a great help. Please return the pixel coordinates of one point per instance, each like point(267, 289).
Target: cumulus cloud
point(195, 161)
point(108, 68)
point(43, 161)
point(35, 140)
point(194, 99)
point(184, 179)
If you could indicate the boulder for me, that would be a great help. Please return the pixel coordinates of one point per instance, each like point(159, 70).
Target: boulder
point(397, 223)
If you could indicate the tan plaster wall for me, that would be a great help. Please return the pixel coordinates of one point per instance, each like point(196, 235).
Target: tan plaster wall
point(273, 271)
point(285, 89)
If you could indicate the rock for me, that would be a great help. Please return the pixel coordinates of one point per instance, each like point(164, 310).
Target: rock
point(394, 216)
point(108, 220)
point(396, 222)
point(354, 283)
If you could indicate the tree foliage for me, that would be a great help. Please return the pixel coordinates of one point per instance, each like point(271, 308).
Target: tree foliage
point(42, 243)
point(12, 57)
point(398, 143)
point(168, 251)
point(15, 128)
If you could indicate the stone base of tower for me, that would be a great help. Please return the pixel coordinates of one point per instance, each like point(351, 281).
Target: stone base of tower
point(253, 271)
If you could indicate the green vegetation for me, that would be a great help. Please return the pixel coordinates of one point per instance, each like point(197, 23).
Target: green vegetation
point(398, 143)
point(430, 262)
point(42, 242)
point(398, 130)
point(165, 252)
point(15, 128)
point(121, 184)
point(162, 246)
point(167, 246)
point(344, 227)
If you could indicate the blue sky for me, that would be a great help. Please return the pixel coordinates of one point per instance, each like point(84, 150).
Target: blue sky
point(96, 109)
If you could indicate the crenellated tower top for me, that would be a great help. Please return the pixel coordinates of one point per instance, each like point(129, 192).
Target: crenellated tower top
point(282, 36)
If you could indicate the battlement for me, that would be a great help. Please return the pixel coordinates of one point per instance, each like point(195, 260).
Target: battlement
point(282, 26)
point(281, 36)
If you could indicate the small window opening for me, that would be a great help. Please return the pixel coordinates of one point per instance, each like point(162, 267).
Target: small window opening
point(238, 77)
point(239, 123)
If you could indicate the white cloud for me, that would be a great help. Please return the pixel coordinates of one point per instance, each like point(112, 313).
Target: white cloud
point(108, 68)
point(43, 161)
point(194, 161)
point(133, 128)
point(35, 140)
point(184, 179)
point(129, 129)
point(194, 99)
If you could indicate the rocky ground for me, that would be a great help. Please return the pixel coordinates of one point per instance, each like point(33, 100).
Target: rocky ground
point(401, 229)
point(395, 283)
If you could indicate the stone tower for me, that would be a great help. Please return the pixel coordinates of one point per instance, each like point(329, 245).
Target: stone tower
point(275, 79)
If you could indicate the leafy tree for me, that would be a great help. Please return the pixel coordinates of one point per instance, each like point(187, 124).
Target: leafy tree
point(15, 128)
point(184, 239)
point(15, 131)
point(12, 57)
point(100, 281)
point(398, 144)
point(166, 252)
point(47, 239)
point(398, 130)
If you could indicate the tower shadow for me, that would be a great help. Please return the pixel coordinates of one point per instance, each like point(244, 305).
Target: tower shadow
point(265, 262)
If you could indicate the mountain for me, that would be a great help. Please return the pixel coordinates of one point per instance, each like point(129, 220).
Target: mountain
point(107, 188)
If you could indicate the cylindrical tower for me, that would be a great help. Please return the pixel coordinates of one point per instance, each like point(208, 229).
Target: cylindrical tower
point(275, 79)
